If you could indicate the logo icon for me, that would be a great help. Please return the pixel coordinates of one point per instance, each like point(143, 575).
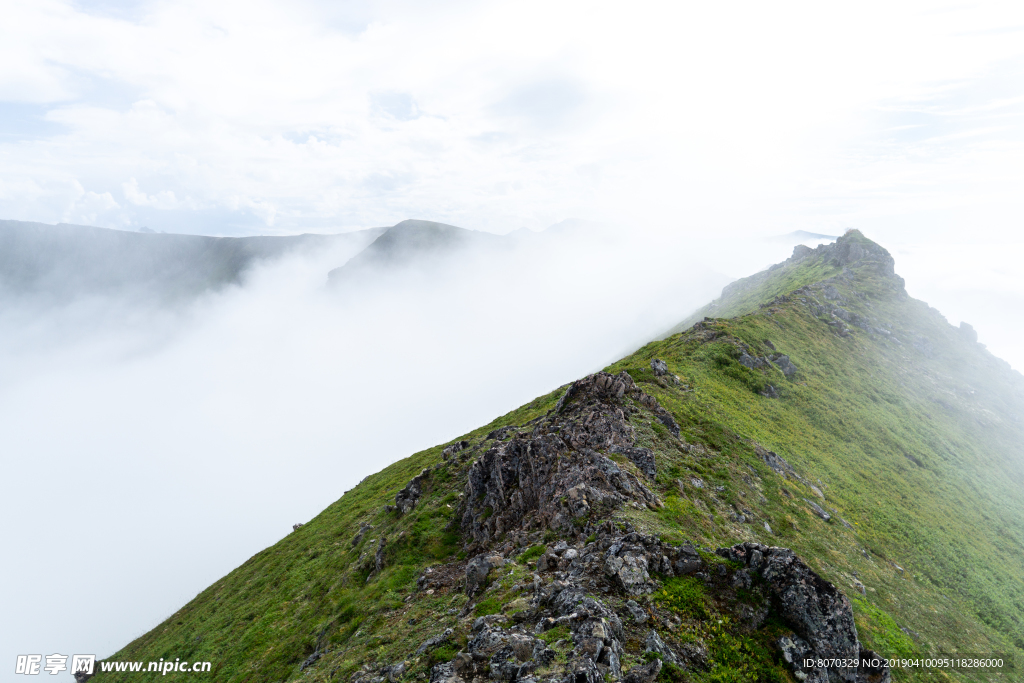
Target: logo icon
point(83, 664)
point(28, 664)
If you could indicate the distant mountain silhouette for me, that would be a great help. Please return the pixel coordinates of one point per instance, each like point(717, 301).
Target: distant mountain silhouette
point(66, 261)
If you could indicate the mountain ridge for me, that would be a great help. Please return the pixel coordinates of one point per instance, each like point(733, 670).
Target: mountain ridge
point(65, 261)
point(833, 415)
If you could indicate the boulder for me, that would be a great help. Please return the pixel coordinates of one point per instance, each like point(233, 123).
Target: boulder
point(783, 363)
point(636, 612)
point(655, 644)
point(816, 610)
point(818, 510)
point(405, 500)
point(629, 572)
point(478, 568)
point(431, 643)
point(644, 674)
point(451, 450)
point(363, 528)
point(659, 367)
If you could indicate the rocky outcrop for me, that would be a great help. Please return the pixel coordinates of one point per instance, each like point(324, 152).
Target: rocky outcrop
point(643, 458)
point(405, 500)
point(968, 332)
point(783, 363)
point(818, 612)
point(659, 367)
point(363, 528)
point(478, 568)
point(774, 461)
point(451, 450)
point(818, 510)
point(557, 476)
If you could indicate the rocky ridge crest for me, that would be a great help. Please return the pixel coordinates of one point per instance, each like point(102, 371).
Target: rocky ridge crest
point(601, 583)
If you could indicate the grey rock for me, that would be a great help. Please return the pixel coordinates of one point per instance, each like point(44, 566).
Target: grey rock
point(444, 673)
point(644, 674)
point(667, 420)
point(774, 461)
point(451, 450)
point(310, 660)
point(394, 672)
point(378, 557)
point(817, 611)
point(659, 367)
point(363, 528)
point(487, 620)
point(629, 572)
point(584, 670)
point(643, 458)
point(431, 643)
point(636, 612)
point(873, 668)
point(478, 568)
point(501, 432)
point(556, 474)
point(655, 644)
point(818, 510)
point(405, 500)
point(783, 363)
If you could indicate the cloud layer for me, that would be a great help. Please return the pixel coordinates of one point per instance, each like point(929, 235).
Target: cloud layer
point(234, 118)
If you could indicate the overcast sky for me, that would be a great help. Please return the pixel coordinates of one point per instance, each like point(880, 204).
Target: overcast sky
point(676, 122)
point(272, 117)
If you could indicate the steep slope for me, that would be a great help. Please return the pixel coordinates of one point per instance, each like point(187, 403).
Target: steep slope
point(63, 262)
point(575, 538)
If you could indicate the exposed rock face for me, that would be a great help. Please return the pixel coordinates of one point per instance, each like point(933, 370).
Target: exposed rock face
point(557, 474)
point(378, 557)
point(643, 458)
point(783, 363)
point(636, 612)
point(554, 474)
point(478, 568)
point(456, 447)
point(774, 460)
point(655, 644)
point(818, 510)
point(433, 642)
point(659, 367)
point(363, 528)
point(405, 500)
point(817, 611)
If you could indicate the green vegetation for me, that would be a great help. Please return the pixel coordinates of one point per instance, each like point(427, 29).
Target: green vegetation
point(906, 433)
point(531, 554)
point(554, 635)
point(683, 595)
point(487, 606)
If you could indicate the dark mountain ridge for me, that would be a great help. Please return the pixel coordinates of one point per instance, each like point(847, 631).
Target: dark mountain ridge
point(62, 262)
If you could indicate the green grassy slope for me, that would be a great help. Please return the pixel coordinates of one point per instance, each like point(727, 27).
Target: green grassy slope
point(908, 433)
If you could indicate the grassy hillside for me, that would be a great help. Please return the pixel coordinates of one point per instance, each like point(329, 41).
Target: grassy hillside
point(898, 426)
